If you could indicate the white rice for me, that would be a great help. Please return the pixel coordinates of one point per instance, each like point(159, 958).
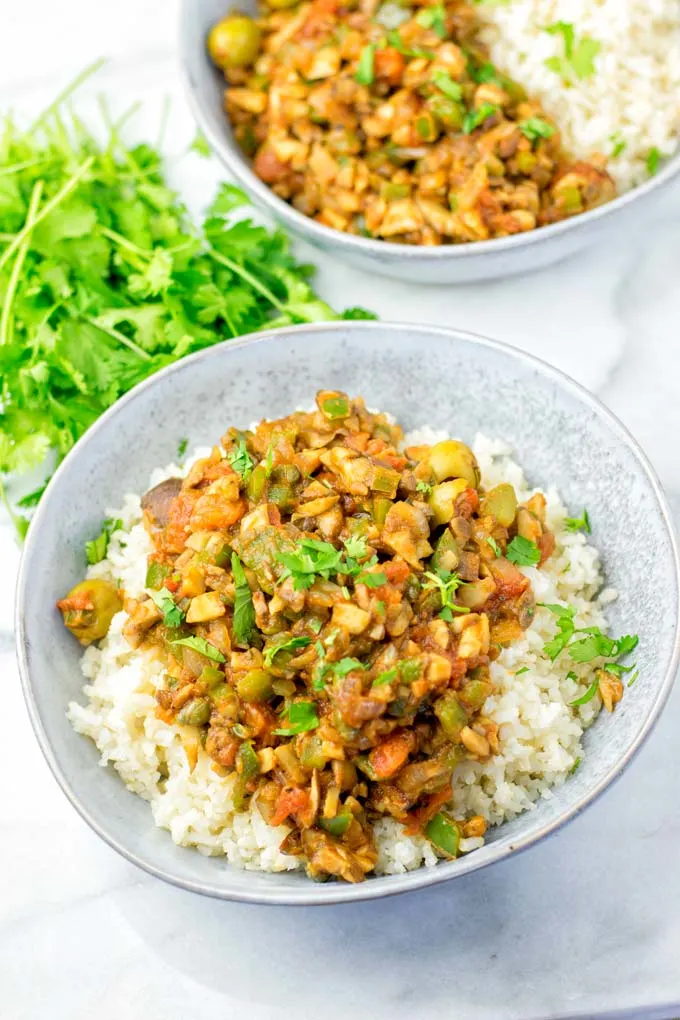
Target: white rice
point(540, 735)
point(634, 94)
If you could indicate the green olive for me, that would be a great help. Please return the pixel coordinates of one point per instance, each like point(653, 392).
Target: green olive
point(501, 503)
point(234, 41)
point(443, 497)
point(451, 459)
point(255, 685)
point(89, 608)
point(195, 713)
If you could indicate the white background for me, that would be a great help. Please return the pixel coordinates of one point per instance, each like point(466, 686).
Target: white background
point(587, 923)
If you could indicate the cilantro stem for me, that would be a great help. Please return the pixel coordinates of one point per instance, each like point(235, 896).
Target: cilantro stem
point(124, 243)
point(46, 210)
point(33, 204)
point(116, 335)
point(66, 92)
point(15, 168)
point(17, 520)
point(244, 274)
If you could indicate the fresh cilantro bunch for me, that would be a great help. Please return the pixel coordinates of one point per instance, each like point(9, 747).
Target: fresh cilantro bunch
point(104, 279)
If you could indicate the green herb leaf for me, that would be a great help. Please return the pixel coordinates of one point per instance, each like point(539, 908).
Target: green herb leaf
point(524, 669)
point(96, 550)
point(523, 552)
point(172, 614)
point(289, 645)
point(581, 523)
point(495, 546)
point(312, 559)
point(356, 546)
point(301, 717)
point(475, 118)
point(388, 676)
point(201, 646)
point(244, 610)
point(434, 18)
point(535, 128)
point(365, 73)
point(653, 160)
point(566, 627)
point(446, 584)
point(588, 696)
point(396, 42)
point(424, 488)
point(345, 666)
point(618, 144)
point(182, 448)
point(200, 145)
point(371, 580)
point(240, 460)
point(576, 764)
point(446, 84)
point(578, 61)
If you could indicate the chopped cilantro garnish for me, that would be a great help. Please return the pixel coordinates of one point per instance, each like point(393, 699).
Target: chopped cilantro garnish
point(315, 625)
point(581, 523)
point(523, 552)
point(653, 160)
point(240, 459)
point(365, 72)
point(618, 144)
point(424, 488)
point(535, 128)
point(576, 764)
point(289, 645)
point(494, 545)
point(388, 676)
point(578, 61)
point(524, 669)
point(434, 18)
point(182, 447)
point(202, 646)
point(588, 696)
point(172, 614)
point(200, 145)
point(312, 559)
point(447, 584)
point(475, 118)
point(96, 550)
point(346, 666)
point(446, 84)
point(301, 716)
point(244, 610)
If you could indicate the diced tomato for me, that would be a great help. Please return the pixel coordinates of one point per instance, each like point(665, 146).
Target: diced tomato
point(389, 65)
point(388, 757)
point(179, 514)
point(467, 503)
point(289, 802)
point(396, 571)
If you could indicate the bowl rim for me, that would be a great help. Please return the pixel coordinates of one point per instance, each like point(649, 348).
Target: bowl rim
point(324, 236)
point(310, 894)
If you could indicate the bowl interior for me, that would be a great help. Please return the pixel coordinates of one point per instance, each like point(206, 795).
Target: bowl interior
point(422, 375)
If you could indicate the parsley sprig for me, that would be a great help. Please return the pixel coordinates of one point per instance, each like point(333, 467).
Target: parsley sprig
point(593, 645)
point(96, 550)
point(447, 584)
point(315, 559)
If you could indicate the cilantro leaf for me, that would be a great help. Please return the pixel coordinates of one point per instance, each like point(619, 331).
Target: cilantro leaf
point(172, 614)
point(301, 717)
point(424, 488)
point(96, 550)
point(200, 145)
point(475, 118)
point(240, 460)
point(581, 523)
point(434, 18)
point(244, 610)
point(578, 61)
point(450, 88)
point(288, 645)
point(494, 545)
point(345, 666)
point(652, 161)
point(446, 584)
point(589, 694)
point(535, 128)
point(388, 676)
point(201, 646)
point(523, 552)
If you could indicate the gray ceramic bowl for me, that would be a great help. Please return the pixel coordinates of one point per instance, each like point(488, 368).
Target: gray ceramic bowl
point(424, 375)
point(484, 260)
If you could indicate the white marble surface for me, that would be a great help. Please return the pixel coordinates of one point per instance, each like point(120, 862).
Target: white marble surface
point(587, 924)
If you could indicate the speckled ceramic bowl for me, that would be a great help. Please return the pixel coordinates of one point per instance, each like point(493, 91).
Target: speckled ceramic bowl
point(619, 221)
point(423, 375)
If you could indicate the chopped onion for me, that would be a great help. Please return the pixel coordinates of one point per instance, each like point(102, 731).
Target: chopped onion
point(391, 15)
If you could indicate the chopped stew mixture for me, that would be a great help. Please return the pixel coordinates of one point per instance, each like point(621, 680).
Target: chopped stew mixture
point(391, 122)
point(326, 607)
